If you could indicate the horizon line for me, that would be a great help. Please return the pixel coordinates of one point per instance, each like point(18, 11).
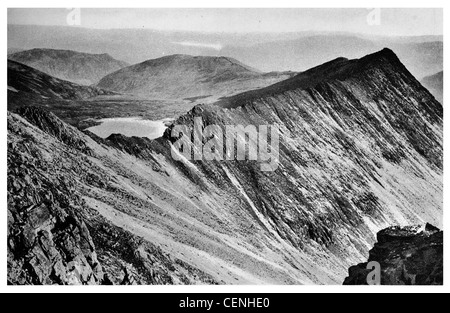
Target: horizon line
point(318, 32)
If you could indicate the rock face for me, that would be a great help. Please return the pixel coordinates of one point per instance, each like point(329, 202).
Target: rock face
point(360, 150)
point(76, 67)
point(27, 82)
point(54, 237)
point(188, 77)
point(407, 256)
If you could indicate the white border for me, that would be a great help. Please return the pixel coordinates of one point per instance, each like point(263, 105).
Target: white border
point(226, 4)
point(217, 4)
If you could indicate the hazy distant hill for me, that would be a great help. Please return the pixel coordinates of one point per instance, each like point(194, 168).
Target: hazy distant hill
point(421, 58)
point(77, 67)
point(183, 76)
point(435, 84)
point(24, 81)
point(265, 51)
point(12, 50)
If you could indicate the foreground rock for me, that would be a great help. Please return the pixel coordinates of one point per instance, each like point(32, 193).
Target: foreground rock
point(408, 256)
point(54, 236)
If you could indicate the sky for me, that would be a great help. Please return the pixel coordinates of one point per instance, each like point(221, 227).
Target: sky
point(384, 22)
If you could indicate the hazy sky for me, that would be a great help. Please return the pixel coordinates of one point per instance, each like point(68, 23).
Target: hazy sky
point(391, 21)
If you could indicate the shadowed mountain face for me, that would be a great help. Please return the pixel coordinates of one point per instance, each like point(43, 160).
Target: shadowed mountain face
point(76, 67)
point(188, 77)
point(435, 84)
point(360, 150)
point(26, 82)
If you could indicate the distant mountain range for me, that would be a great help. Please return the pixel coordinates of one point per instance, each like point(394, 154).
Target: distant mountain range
point(423, 55)
point(12, 50)
point(77, 67)
point(435, 84)
point(189, 77)
point(421, 58)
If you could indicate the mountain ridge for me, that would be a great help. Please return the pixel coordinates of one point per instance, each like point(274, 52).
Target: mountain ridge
point(162, 60)
point(357, 153)
point(335, 69)
point(25, 81)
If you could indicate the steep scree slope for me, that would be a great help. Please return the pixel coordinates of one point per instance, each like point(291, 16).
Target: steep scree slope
point(361, 149)
point(55, 234)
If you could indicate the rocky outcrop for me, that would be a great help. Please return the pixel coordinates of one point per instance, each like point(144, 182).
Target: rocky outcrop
point(406, 255)
point(50, 124)
point(54, 235)
point(48, 241)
